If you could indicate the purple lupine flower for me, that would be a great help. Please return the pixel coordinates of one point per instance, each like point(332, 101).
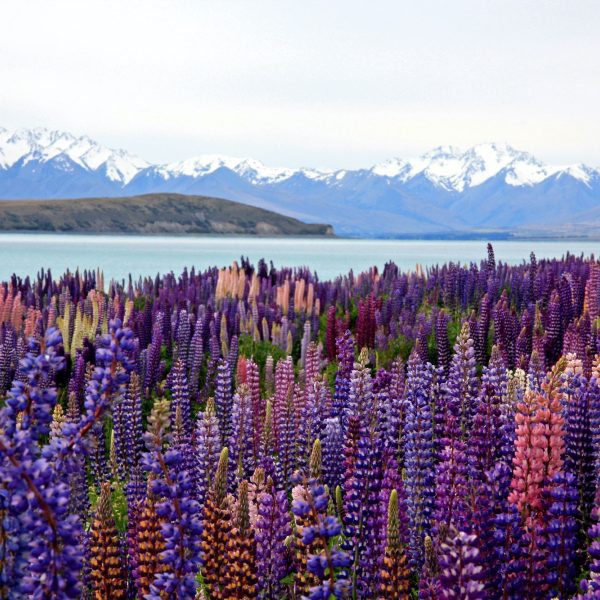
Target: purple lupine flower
point(460, 568)
point(461, 387)
point(360, 395)
point(580, 458)
point(284, 385)
point(241, 441)
point(257, 404)
point(487, 442)
point(561, 532)
point(345, 355)
point(285, 422)
point(207, 450)
point(234, 350)
point(361, 494)
point(178, 510)
point(153, 355)
point(451, 491)
point(133, 446)
point(442, 341)
point(318, 530)
point(333, 440)
point(181, 396)
point(196, 357)
point(272, 528)
point(183, 337)
point(419, 456)
point(46, 551)
point(481, 329)
point(591, 586)
point(224, 399)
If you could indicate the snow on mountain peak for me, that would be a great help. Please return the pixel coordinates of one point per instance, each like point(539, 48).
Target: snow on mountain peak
point(446, 167)
point(42, 144)
point(456, 170)
point(200, 166)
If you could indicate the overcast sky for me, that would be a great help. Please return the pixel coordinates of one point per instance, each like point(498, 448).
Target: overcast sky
point(326, 83)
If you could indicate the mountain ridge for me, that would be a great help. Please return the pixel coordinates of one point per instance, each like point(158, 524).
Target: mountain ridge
point(444, 190)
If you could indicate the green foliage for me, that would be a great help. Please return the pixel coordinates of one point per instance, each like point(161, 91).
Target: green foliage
point(454, 329)
point(119, 504)
point(330, 373)
point(400, 346)
point(258, 352)
point(139, 303)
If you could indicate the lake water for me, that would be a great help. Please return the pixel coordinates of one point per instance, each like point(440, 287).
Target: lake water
point(118, 256)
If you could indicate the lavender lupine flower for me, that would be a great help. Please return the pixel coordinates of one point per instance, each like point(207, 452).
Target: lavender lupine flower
point(284, 385)
point(451, 509)
point(580, 458)
point(241, 441)
point(232, 357)
point(133, 446)
point(181, 396)
point(153, 355)
point(345, 355)
point(419, 457)
point(317, 531)
point(106, 385)
point(195, 357)
point(461, 387)
point(178, 510)
point(360, 395)
point(360, 521)
point(78, 495)
point(333, 441)
point(183, 337)
point(258, 406)
point(442, 341)
point(591, 586)
point(481, 329)
point(207, 450)
point(285, 424)
point(273, 526)
point(224, 399)
point(312, 419)
point(397, 409)
point(460, 568)
point(561, 532)
point(487, 442)
point(46, 539)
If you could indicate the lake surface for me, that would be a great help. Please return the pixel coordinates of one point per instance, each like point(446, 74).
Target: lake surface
point(118, 256)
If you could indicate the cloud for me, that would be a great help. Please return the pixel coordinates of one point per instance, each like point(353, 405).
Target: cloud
point(336, 83)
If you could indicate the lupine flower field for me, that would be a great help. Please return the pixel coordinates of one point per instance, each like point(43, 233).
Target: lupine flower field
point(254, 432)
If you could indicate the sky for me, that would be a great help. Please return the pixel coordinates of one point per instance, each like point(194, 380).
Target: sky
point(336, 83)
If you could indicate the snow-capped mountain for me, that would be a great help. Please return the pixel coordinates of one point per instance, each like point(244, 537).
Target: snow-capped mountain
point(445, 190)
point(454, 170)
point(42, 145)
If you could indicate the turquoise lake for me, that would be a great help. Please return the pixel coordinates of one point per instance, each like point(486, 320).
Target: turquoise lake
point(119, 256)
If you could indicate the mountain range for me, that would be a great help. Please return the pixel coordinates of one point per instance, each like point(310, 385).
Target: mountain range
point(448, 191)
